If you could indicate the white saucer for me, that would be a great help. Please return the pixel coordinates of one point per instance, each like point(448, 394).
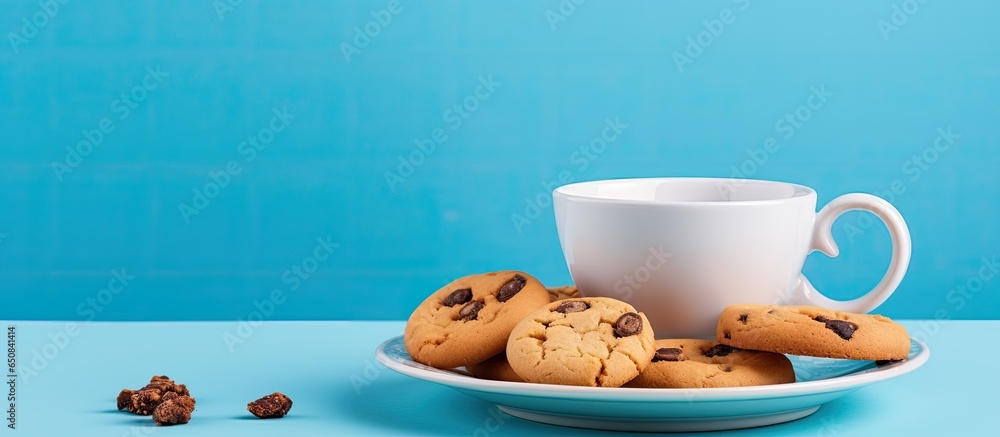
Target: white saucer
point(820, 380)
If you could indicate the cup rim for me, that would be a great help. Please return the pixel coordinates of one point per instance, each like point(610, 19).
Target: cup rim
point(801, 191)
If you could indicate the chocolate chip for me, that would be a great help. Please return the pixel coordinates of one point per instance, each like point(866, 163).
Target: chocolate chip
point(883, 363)
point(719, 350)
point(511, 288)
point(471, 310)
point(456, 297)
point(573, 306)
point(668, 354)
point(726, 335)
point(628, 324)
point(743, 318)
point(843, 328)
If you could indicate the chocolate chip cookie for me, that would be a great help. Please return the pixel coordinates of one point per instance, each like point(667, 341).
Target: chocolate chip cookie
point(598, 342)
point(496, 368)
point(813, 331)
point(563, 292)
point(705, 363)
point(470, 319)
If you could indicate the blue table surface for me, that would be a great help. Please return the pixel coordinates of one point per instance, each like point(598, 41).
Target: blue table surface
point(338, 388)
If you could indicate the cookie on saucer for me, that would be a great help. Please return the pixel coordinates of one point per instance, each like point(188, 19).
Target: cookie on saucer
point(813, 331)
point(598, 342)
point(563, 292)
point(496, 368)
point(704, 363)
point(470, 319)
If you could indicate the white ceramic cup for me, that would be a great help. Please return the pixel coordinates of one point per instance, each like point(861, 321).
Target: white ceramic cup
point(682, 249)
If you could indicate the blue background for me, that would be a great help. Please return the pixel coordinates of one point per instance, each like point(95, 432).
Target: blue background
point(325, 173)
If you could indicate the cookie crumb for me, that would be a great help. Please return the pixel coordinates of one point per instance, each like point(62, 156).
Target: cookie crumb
point(147, 399)
point(125, 398)
point(272, 406)
point(174, 410)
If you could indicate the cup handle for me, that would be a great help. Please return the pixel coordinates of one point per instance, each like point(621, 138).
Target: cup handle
point(822, 240)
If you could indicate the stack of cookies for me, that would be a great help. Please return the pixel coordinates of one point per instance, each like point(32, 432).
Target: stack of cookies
point(507, 326)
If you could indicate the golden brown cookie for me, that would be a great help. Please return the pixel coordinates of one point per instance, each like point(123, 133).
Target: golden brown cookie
point(598, 342)
point(563, 292)
point(469, 320)
point(813, 331)
point(496, 368)
point(705, 363)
